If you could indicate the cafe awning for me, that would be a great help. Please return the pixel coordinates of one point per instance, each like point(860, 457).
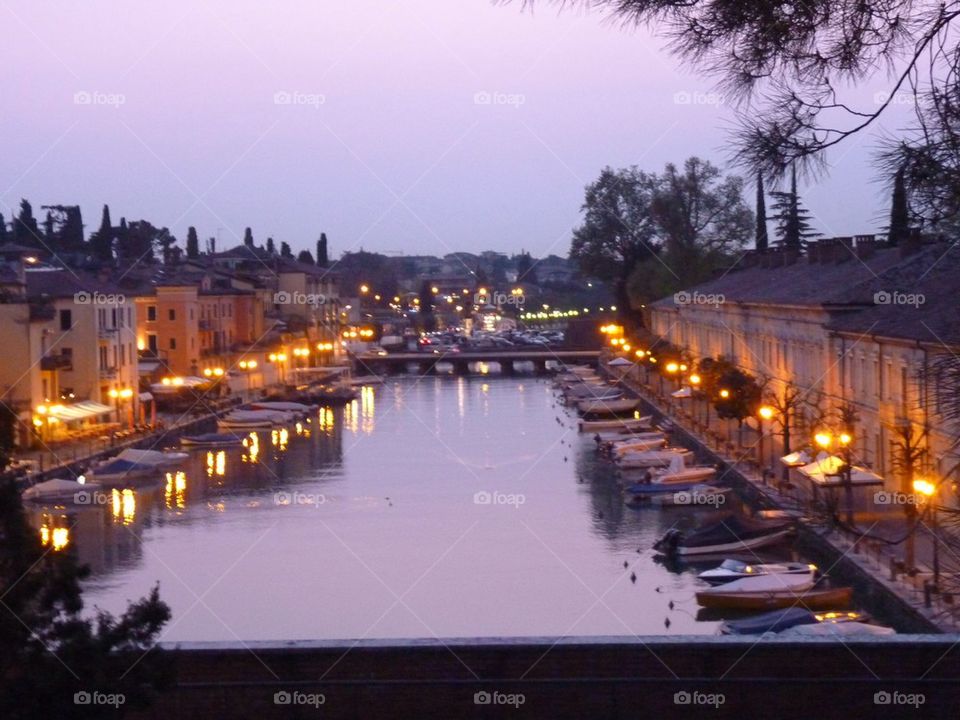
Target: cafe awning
point(827, 469)
point(620, 362)
point(683, 392)
point(79, 411)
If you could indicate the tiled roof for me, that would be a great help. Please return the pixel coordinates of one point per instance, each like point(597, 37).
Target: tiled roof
point(65, 283)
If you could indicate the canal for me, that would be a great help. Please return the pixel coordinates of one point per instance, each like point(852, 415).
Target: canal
point(438, 506)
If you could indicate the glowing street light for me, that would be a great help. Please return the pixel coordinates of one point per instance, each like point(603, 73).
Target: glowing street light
point(724, 393)
point(765, 412)
point(364, 289)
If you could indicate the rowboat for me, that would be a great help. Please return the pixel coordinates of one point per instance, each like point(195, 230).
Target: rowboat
point(696, 474)
point(592, 392)
point(607, 407)
point(730, 570)
point(253, 419)
point(281, 406)
point(812, 599)
point(652, 458)
point(212, 439)
point(117, 472)
point(635, 443)
point(156, 458)
point(729, 535)
point(776, 621)
point(696, 496)
point(615, 423)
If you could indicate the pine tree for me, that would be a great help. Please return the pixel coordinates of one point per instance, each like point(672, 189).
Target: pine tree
point(899, 229)
point(50, 238)
point(212, 245)
point(323, 259)
point(25, 228)
point(4, 237)
point(761, 241)
point(305, 257)
point(101, 242)
point(248, 237)
point(793, 220)
point(193, 243)
point(271, 248)
point(285, 250)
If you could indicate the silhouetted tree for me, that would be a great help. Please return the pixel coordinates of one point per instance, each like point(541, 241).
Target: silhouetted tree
point(4, 237)
point(285, 250)
point(101, 242)
point(271, 248)
point(899, 229)
point(193, 243)
point(323, 258)
point(427, 320)
point(793, 220)
point(525, 269)
point(304, 256)
point(761, 241)
point(248, 237)
point(25, 229)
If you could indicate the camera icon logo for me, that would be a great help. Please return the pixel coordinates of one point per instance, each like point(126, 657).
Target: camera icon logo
point(482, 698)
point(282, 698)
point(82, 698)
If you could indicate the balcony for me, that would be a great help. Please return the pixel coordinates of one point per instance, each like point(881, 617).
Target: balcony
point(108, 373)
point(106, 332)
point(59, 361)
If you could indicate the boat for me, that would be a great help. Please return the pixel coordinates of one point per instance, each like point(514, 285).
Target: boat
point(253, 419)
point(607, 407)
point(730, 570)
point(696, 474)
point(282, 406)
point(774, 582)
point(118, 472)
point(591, 392)
point(776, 621)
point(212, 439)
point(366, 380)
point(654, 458)
point(812, 599)
point(697, 495)
point(635, 443)
point(837, 630)
point(156, 458)
point(642, 423)
point(733, 533)
point(59, 490)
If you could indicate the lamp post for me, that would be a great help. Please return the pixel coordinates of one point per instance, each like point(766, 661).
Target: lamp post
point(695, 381)
point(929, 491)
point(826, 440)
point(764, 413)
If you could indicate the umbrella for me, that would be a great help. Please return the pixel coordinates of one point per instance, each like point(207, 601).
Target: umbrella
point(619, 362)
point(683, 392)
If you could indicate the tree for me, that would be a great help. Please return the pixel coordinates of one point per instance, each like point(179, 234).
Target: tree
point(271, 248)
point(617, 231)
point(167, 244)
point(427, 320)
point(285, 251)
point(899, 229)
point(136, 242)
point(793, 220)
point(323, 257)
point(101, 242)
point(48, 649)
point(25, 229)
point(526, 271)
point(248, 237)
point(304, 256)
point(743, 394)
point(761, 241)
point(193, 243)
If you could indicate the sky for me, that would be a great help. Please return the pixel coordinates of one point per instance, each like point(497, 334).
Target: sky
point(414, 127)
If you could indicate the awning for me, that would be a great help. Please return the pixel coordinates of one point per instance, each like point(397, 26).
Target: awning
point(620, 362)
point(683, 392)
point(826, 470)
point(79, 411)
point(797, 459)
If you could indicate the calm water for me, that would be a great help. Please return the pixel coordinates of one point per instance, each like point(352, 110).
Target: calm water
point(363, 523)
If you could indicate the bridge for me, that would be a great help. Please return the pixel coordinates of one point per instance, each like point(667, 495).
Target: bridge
point(426, 362)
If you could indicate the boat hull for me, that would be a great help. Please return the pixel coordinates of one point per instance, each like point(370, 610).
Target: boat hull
point(823, 599)
point(737, 546)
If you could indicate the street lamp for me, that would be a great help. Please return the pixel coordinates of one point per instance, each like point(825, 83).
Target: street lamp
point(929, 491)
point(764, 412)
point(825, 440)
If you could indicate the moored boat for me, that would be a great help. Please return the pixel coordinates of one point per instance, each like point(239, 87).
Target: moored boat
point(730, 570)
point(607, 407)
point(776, 621)
point(212, 439)
point(773, 582)
point(728, 535)
point(119, 473)
point(812, 599)
point(59, 490)
point(616, 423)
point(156, 458)
point(699, 495)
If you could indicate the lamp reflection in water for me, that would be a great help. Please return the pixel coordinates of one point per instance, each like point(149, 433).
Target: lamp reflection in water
point(217, 463)
point(124, 506)
point(325, 418)
point(351, 420)
point(175, 493)
point(367, 408)
point(279, 438)
point(252, 444)
point(53, 534)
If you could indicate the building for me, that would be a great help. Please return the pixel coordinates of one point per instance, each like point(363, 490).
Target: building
point(844, 324)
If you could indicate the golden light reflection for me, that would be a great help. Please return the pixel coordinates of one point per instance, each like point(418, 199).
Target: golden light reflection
point(175, 493)
point(484, 368)
point(252, 444)
point(367, 408)
point(351, 419)
point(124, 505)
point(54, 535)
point(279, 438)
point(325, 419)
point(217, 463)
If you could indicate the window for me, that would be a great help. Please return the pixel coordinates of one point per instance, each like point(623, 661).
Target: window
point(172, 314)
point(151, 313)
point(152, 343)
point(66, 319)
point(173, 342)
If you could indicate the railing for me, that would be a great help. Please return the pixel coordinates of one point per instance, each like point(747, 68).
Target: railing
point(56, 362)
point(108, 373)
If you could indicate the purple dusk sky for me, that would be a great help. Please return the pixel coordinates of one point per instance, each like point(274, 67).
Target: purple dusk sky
point(358, 118)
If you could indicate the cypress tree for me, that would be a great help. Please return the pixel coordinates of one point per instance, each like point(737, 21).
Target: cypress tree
point(248, 237)
point(193, 243)
point(271, 248)
point(285, 250)
point(899, 229)
point(101, 242)
point(323, 259)
point(25, 228)
point(761, 239)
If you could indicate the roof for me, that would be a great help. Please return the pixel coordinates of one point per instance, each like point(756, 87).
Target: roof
point(65, 283)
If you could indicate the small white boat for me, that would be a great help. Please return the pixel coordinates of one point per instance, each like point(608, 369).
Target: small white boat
point(652, 458)
point(366, 380)
point(253, 419)
point(212, 440)
point(281, 406)
point(607, 407)
point(59, 490)
point(643, 423)
point(696, 474)
point(636, 443)
point(772, 582)
point(117, 472)
point(730, 570)
point(837, 630)
point(155, 458)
